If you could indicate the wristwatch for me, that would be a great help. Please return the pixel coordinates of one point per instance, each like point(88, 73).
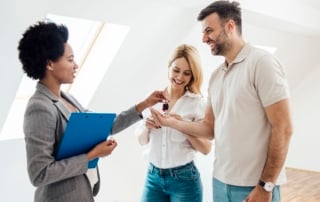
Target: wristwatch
point(267, 186)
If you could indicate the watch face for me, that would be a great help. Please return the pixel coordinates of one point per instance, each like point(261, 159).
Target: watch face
point(268, 186)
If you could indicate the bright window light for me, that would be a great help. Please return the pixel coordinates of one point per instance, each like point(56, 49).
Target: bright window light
point(270, 49)
point(94, 44)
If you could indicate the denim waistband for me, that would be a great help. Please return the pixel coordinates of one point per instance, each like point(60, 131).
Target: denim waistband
point(164, 171)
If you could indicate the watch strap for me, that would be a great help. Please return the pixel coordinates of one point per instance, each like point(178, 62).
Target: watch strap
point(261, 183)
point(267, 186)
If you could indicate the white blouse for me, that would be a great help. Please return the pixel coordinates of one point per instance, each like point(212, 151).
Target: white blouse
point(167, 147)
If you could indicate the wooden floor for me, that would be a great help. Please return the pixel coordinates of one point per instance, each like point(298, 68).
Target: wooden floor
point(302, 186)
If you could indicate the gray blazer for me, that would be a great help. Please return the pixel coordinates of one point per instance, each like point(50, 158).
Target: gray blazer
point(45, 120)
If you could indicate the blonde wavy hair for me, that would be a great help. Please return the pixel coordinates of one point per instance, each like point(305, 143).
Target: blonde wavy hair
point(191, 54)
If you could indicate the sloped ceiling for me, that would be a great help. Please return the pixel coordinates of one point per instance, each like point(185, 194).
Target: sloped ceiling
point(290, 25)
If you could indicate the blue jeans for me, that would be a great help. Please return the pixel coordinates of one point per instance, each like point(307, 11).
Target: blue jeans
point(179, 184)
point(229, 193)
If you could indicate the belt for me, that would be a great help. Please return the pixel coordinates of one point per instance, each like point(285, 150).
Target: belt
point(168, 171)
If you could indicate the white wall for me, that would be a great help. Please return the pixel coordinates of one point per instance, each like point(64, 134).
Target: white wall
point(14, 184)
point(304, 148)
point(156, 27)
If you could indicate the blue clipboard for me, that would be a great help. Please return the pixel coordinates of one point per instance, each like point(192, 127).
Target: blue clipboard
point(83, 131)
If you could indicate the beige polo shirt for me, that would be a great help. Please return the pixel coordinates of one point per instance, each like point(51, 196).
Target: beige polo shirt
point(238, 95)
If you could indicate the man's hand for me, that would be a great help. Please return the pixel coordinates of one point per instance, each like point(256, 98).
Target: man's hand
point(163, 120)
point(259, 194)
point(157, 119)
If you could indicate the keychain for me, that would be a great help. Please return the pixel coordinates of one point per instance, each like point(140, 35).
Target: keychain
point(165, 107)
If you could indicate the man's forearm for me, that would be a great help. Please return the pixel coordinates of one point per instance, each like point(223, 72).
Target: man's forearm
point(197, 129)
point(277, 152)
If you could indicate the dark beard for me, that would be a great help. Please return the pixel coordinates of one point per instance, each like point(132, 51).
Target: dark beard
point(220, 49)
point(221, 46)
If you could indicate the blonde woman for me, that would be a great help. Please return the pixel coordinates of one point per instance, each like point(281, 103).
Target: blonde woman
point(172, 175)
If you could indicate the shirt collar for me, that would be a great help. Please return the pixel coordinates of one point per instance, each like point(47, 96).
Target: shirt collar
point(190, 94)
point(244, 52)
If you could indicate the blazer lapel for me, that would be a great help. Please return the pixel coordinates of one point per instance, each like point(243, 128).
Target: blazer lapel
point(73, 101)
point(60, 106)
point(64, 111)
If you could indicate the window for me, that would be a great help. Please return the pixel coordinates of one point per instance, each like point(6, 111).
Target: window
point(95, 44)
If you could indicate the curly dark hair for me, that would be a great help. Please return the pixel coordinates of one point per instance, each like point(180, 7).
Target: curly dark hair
point(226, 10)
point(40, 43)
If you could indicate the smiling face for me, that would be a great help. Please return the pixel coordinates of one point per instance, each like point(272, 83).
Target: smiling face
point(64, 69)
point(180, 74)
point(215, 35)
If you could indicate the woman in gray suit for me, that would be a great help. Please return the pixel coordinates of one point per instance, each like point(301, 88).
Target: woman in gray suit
point(47, 57)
